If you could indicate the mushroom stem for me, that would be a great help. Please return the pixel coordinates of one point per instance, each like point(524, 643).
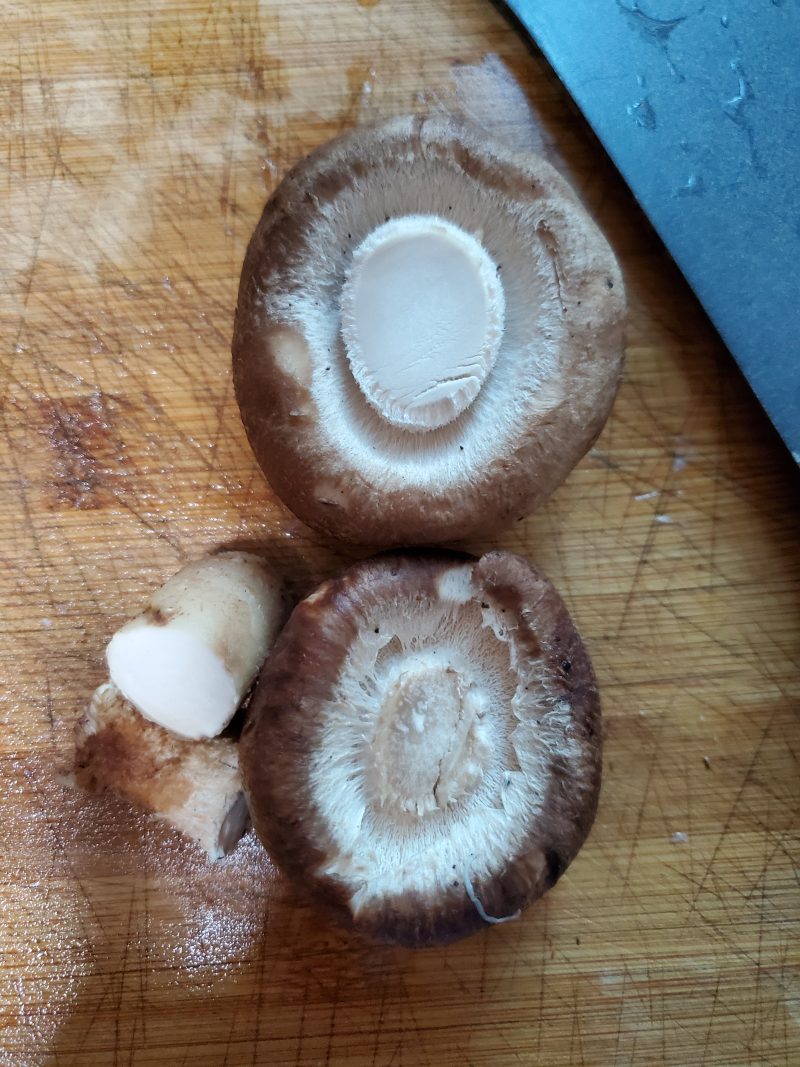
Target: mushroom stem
point(187, 661)
point(422, 319)
point(194, 785)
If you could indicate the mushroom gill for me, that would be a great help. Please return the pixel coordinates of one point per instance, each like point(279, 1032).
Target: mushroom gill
point(423, 747)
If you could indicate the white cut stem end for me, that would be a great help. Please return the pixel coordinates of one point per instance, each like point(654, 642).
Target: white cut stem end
point(187, 662)
point(423, 312)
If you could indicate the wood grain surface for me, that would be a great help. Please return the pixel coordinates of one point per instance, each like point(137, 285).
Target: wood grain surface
point(140, 140)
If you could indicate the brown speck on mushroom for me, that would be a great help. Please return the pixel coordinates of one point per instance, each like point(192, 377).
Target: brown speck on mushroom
point(435, 777)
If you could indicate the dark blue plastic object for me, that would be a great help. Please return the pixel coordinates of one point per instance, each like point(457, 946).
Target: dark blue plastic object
point(698, 104)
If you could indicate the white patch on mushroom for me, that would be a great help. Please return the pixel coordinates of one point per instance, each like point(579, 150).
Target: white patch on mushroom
point(188, 660)
point(491, 919)
point(422, 319)
point(455, 584)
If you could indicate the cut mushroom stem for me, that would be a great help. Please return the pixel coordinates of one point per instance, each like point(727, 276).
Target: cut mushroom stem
point(194, 785)
point(422, 319)
point(188, 660)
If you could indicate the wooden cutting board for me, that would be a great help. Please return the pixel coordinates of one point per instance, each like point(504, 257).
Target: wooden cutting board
point(141, 140)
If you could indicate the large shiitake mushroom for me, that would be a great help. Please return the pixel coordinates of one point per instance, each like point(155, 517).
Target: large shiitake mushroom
point(428, 334)
point(423, 746)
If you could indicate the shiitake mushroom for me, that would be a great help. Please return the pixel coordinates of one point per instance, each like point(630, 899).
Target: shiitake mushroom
point(429, 334)
point(423, 748)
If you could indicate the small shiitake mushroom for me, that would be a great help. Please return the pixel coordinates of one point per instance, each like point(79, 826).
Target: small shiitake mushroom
point(429, 334)
point(423, 747)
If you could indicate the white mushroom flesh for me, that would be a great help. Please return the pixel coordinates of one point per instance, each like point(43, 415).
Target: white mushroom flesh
point(422, 319)
point(436, 747)
point(188, 660)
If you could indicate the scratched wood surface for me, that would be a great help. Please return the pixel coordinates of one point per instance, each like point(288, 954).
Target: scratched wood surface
point(140, 141)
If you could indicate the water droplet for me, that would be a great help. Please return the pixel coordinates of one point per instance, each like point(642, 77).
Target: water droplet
point(693, 187)
point(733, 107)
point(642, 113)
point(657, 29)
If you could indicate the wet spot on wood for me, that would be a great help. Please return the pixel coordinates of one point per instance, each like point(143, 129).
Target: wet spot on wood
point(82, 450)
point(266, 77)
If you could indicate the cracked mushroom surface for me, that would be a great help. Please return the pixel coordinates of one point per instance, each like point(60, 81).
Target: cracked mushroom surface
point(428, 336)
point(423, 749)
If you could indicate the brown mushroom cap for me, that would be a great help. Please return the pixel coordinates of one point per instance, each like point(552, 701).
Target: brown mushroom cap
point(423, 748)
point(326, 451)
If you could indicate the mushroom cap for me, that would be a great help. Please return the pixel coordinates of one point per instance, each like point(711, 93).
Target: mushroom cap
point(330, 456)
point(423, 748)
